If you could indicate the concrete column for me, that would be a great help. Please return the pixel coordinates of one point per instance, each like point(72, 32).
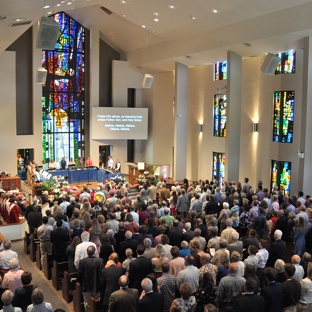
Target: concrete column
point(181, 120)
point(305, 165)
point(233, 118)
point(91, 149)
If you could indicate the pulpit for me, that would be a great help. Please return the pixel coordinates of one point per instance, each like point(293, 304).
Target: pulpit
point(134, 173)
point(9, 183)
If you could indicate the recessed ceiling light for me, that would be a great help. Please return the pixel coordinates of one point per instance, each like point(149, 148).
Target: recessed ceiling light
point(246, 44)
point(124, 15)
point(193, 17)
point(50, 12)
point(214, 11)
point(156, 19)
point(155, 13)
point(58, 4)
point(2, 17)
point(143, 26)
point(18, 19)
point(123, 1)
point(62, 1)
point(46, 7)
point(69, 3)
point(171, 6)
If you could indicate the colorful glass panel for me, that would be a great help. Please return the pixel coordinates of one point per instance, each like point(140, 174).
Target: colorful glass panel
point(63, 93)
point(219, 123)
point(281, 176)
point(283, 116)
point(221, 71)
point(287, 65)
point(218, 166)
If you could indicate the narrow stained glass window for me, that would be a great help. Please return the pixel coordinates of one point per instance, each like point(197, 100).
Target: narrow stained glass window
point(281, 176)
point(283, 116)
point(219, 122)
point(63, 94)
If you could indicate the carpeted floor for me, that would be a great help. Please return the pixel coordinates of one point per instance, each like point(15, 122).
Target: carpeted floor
point(50, 294)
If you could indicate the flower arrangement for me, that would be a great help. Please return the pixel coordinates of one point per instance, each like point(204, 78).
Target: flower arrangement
point(116, 179)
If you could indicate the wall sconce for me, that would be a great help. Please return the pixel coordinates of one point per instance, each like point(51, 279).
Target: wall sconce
point(255, 127)
point(200, 128)
point(300, 154)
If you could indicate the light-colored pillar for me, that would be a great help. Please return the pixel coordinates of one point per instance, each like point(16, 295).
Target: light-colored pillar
point(233, 118)
point(92, 148)
point(305, 165)
point(181, 120)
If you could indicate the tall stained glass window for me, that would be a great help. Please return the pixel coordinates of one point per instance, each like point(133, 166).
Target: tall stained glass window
point(287, 65)
point(283, 116)
point(281, 175)
point(218, 168)
point(219, 116)
point(63, 110)
point(221, 71)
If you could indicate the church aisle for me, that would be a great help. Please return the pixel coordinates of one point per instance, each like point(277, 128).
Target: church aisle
point(50, 294)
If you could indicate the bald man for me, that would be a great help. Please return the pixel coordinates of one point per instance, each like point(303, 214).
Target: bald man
point(124, 299)
point(230, 287)
point(295, 260)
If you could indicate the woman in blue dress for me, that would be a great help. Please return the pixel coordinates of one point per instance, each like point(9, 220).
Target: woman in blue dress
point(299, 237)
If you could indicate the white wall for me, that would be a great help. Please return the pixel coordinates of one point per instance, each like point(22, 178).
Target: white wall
point(10, 141)
point(256, 149)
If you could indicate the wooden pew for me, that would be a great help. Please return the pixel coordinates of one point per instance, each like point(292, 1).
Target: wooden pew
point(68, 285)
point(34, 243)
point(95, 305)
point(47, 266)
point(58, 272)
point(26, 242)
point(38, 257)
point(77, 299)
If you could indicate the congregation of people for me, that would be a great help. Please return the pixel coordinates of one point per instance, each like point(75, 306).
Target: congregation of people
point(195, 247)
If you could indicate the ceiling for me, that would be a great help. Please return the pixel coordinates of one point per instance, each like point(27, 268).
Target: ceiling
point(189, 32)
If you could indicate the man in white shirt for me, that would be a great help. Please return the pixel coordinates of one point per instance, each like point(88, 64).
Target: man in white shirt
point(295, 260)
point(81, 249)
point(110, 163)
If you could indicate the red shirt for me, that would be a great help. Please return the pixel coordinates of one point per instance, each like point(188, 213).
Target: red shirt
point(89, 162)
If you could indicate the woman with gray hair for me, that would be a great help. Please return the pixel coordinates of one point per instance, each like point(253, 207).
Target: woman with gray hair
point(224, 214)
point(279, 267)
point(38, 303)
point(12, 279)
point(126, 263)
point(7, 298)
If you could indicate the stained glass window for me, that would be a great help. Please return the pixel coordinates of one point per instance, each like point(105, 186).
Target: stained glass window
point(287, 65)
point(281, 176)
point(218, 168)
point(63, 111)
point(283, 116)
point(221, 71)
point(219, 116)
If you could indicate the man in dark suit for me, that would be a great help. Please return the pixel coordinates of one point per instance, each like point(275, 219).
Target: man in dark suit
point(34, 219)
point(282, 224)
point(22, 295)
point(89, 275)
point(175, 234)
point(109, 280)
point(249, 300)
point(139, 269)
point(127, 243)
point(188, 235)
point(151, 302)
point(273, 293)
point(59, 239)
point(120, 235)
point(200, 225)
point(124, 299)
point(277, 249)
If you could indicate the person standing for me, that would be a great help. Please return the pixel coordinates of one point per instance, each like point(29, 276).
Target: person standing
point(43, 233)
point(110, 163)
point(89, 275)
point(63, 163)
point(89, 162)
